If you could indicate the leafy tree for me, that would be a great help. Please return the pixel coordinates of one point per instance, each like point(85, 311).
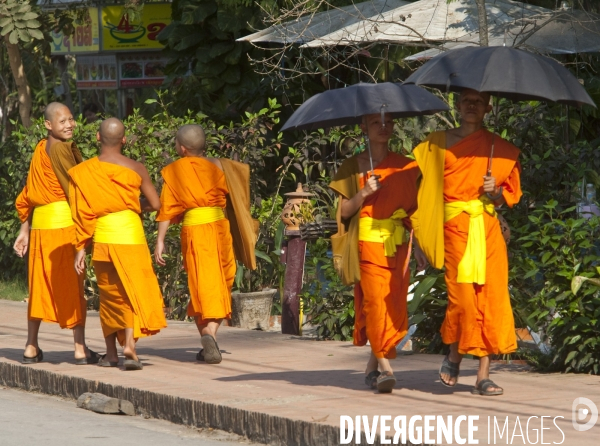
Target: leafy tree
point(201, 43)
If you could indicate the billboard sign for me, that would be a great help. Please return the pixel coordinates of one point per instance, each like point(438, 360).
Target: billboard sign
point(119, 33)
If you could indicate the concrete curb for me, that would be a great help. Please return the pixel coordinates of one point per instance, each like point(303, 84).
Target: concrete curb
point(256, 426)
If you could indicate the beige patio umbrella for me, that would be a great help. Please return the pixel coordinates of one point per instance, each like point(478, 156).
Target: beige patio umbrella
point(317, 25)
point(555, 32)
point(430, 21)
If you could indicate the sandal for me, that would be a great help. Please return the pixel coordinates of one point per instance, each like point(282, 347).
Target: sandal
point(94, 358)
point(200, 355)
point(35, 359)
point(449, 368)
point(481, 388)
point(371, 379)
point(104, 363)
point(386, 382)
point(132, 364)
point(211, 352)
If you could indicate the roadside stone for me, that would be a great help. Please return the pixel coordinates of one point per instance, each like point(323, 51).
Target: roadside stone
point(99, 403)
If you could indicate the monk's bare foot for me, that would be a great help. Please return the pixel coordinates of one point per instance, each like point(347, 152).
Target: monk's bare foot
point(129, 353)
point(447, 378)
point(31, 351)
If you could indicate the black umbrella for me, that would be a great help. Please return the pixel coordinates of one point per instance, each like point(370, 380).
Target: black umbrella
point(504, 72)
point(347, 106)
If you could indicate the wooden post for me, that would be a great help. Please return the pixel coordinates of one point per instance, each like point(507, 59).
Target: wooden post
point(290, 304)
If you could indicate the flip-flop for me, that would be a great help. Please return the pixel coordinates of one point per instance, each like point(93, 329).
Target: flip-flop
point(92, 359)
point(200, 355)
point(449, 368)
point(211, 352)
point(35, 359)
point(371, 379)
point(481, 388)
point(131, 364)
point(386, 382)
point(104, 363)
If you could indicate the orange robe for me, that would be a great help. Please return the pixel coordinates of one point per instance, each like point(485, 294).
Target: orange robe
point(189, 183)
point(55, 289)
point(380, 307)
point(130, 296)
point(479, 317)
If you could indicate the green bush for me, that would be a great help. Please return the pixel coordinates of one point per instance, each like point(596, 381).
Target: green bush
point(551, 249)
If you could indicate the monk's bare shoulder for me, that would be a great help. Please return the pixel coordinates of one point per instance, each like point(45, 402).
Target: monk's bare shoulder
point(216, 162)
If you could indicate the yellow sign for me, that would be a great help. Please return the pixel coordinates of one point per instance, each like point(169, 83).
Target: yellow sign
point(121, 33)
point(85, 39)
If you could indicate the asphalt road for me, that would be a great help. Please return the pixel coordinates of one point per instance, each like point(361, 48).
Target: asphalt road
point(30, 419)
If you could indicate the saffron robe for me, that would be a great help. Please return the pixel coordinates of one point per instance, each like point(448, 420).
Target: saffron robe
point(130, 296)
point(55, 289)
point(381, 315)
point(193, 182)
point(478, 317)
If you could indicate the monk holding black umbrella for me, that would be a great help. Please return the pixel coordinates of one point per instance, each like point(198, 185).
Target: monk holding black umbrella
point(456, 226)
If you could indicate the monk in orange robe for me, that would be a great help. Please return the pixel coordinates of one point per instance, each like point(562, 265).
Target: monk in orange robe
point(383, 204)
point(195, 191)
point(105, 202)
point(456, 226)
point(48, 232)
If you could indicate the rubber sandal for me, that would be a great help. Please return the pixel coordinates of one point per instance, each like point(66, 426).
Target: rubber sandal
point(200, 355)
point(386, 382)
point(371, 379)
point(35, 359)
point(104, 363)
point(131, 364)
point(93, 358)
point(481, 388)
point(211, 352)
point(449, 368)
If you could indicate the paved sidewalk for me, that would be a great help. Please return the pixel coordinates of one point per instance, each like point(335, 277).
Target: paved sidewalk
point(281, 389)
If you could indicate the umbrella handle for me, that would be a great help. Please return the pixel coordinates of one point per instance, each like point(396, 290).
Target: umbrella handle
point(489, 170)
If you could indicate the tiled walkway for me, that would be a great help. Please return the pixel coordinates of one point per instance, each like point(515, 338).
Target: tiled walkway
point(316, 382)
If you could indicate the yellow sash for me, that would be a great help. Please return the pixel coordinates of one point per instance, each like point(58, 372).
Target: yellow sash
point(389, 231)
point(202, 216)
point(55, 215)
point(471, 268)
point(120, 228)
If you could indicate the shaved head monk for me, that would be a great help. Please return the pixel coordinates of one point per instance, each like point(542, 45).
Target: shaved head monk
point(374, 227)
point(456, 226)
point(48, 233)
point(196, 191)
point(105, 201)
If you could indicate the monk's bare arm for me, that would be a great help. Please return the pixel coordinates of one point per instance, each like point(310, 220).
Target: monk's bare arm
point(152, 202)
point(352, 206)
point(22, 242)
point(160, 242)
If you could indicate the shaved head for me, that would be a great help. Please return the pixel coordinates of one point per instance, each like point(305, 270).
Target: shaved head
point(469, 92)
point(52, 108)
point(192, 137)
point(112, 132)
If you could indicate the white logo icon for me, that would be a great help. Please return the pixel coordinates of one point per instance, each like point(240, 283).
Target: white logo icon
point(580, 414)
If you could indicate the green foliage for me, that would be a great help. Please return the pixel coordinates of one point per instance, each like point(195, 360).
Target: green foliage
point(327, 302)
point(201, 43)
point(19, 22)
point(427, 309)
point(553, 247)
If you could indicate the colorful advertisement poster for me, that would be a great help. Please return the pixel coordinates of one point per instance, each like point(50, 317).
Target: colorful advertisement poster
point(96, 72)
point(119, 33)
point(141, 71)
point(85, 39)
